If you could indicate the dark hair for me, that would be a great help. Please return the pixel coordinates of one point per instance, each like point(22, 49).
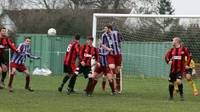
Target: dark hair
point(110, 27)
point(2, 28)
point(90, 38)
point(77, 37)
point(27, 37)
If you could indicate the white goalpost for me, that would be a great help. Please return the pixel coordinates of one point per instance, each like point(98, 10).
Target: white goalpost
point(146, 39)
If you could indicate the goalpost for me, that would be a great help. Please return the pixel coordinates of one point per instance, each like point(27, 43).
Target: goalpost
point(147, 38)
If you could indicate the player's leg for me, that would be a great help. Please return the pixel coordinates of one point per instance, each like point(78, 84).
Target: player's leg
point(171, 85)
point(72, 80)
point(192, 84)
point(88, 74)
point(110, 76)
point(103, 84)
point(4, 72)
point(118, 61)
point(118, 79)
point(12, 72)
point(175, 88)
point(68, 70)
point(1, 86)
point(180, 84)
point(27, 84)
point(95, 75)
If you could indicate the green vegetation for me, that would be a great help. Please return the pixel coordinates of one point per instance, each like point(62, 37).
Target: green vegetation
point(139, 95)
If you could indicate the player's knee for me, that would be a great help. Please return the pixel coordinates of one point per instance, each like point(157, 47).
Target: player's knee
point(179, 82)
point(69, 75)
point(112, 66)
point(171, 83)
point(4, 68)
point(188, 77)
point(109, 76)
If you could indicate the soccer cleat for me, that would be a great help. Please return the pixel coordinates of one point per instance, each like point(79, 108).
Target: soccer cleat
point(2, 85)
point(89, 94)
point(29, 89)
point(196, 93)
point(182, 98)
point(69, 91)
point(60, 89)
point(113, 93)
point(119, 92)
point(170, 98)
point(73, 91)
point(10, 89)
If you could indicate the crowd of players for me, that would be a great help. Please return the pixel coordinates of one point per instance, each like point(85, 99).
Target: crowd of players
point(108, 61)
point(107, 64)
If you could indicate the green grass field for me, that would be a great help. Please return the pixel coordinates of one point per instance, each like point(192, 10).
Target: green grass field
point(139, 95)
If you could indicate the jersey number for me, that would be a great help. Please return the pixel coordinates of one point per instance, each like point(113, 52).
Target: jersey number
point(69, 47)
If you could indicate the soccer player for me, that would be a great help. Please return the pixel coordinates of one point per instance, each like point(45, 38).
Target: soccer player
point(70, 60)
point(176, 57)
point(103, 68)
point(4, 43)
point(18, 63)
point(189, 75)
point(87, 52)
point(188, 72)
point(111, 41)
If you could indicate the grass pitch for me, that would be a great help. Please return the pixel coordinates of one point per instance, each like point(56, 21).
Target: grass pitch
point(139, 95)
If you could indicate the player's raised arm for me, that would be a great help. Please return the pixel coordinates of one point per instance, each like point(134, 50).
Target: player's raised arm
point(11, 45)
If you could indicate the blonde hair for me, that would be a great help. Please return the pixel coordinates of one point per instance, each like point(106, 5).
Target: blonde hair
point(178, 40)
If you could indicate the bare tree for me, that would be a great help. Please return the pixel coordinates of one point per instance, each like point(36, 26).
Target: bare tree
point(45, 4)
point(100, 4)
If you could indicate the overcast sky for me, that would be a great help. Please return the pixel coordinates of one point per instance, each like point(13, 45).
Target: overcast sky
point(182, 7)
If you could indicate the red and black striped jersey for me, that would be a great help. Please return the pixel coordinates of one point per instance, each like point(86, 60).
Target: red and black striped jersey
point(87, 53)
point(4, 43)
point(71, 53)
point(177, 56)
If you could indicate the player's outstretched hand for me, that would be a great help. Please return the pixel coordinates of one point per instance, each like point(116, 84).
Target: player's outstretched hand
point(83, 63)
point(38, 57)
point(98, 64)
point(18, 51)
point(170, 62)
point(110, 49)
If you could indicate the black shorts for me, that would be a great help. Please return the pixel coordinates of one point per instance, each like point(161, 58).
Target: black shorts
point(174, 76)
point(67, 69)
point(86, 70)
point(188, 71)
point(2, 60)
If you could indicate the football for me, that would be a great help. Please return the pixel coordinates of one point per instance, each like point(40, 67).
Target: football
point(51, 32)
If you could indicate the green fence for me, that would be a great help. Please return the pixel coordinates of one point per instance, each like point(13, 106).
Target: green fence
point(139, 58)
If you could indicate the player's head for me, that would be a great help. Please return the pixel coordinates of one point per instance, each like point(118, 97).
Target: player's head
point(105, 29)
point(176, 42)
point(89, 40)
point(77, 37)
point(3, 31)
point(110, 28)
point(27, 40)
